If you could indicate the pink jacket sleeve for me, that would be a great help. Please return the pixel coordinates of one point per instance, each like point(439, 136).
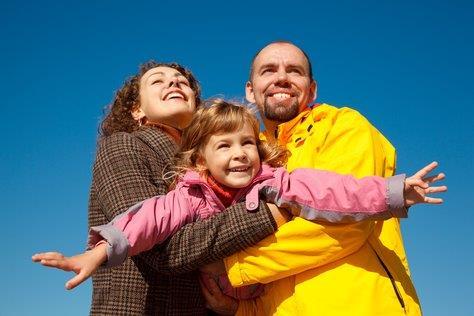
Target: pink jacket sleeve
point(146, 224)
point(327, 196)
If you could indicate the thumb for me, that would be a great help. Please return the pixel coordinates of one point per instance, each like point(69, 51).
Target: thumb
point(75, 281)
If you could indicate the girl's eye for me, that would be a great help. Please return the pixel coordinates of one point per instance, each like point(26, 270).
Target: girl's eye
point(222, 146)
point(249, 142)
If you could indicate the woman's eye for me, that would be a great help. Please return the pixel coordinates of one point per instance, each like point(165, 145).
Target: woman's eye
point(157, 81)
point(185, 82)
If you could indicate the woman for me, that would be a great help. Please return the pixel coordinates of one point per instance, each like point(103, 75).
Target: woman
point(138, 139)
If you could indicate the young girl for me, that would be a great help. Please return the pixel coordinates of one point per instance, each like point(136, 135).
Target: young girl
point(222, 161)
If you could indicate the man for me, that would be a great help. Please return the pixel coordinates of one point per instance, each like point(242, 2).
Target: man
point(316, 268)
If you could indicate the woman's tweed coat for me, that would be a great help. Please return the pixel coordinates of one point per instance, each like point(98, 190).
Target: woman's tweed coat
point(163, 281)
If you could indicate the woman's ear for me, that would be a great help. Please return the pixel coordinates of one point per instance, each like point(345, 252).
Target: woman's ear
point(138, 114)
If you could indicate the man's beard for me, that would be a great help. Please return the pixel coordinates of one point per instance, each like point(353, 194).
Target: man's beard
point(280, 112)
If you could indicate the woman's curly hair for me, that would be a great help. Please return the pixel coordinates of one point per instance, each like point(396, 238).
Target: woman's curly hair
point(118, 116)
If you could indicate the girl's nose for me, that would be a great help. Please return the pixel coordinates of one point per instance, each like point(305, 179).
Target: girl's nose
point(239, 153)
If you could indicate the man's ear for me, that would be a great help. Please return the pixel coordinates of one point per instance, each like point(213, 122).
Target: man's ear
point(314, 90)
point(249, 95)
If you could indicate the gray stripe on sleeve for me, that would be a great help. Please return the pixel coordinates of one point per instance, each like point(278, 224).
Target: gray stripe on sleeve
point(312, 214)
point(395, 196)
point(117, 244)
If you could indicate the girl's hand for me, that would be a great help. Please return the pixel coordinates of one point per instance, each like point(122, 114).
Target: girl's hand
point(84, 265)
point(417, 187)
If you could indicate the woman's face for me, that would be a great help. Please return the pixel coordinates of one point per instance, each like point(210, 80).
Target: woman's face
point(166, 98)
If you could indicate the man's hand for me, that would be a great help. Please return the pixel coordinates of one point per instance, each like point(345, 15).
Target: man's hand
point(216, 268)
point(84, 265)
point(216, 300)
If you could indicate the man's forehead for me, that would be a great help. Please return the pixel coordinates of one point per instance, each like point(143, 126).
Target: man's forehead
point(280, 52)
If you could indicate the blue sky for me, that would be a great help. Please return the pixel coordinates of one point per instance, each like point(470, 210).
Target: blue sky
point(406, 65)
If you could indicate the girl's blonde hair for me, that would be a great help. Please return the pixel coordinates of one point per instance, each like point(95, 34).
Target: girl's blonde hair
point(218, 116)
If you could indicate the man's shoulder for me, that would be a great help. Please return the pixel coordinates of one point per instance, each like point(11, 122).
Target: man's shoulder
point(337, 115)
point(344, 111)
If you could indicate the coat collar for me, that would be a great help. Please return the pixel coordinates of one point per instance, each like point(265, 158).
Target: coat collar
point(193, 177)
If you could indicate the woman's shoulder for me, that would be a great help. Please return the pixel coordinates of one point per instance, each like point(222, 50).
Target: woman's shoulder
point(147, 145)
point(117, 140)
point(144, 137)
point(154, 137)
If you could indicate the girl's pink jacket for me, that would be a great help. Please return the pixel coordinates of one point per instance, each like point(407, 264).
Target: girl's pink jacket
point(312, 194)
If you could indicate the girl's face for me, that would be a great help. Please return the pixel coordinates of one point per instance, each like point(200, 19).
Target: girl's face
point(232, 158)
point(166, 98)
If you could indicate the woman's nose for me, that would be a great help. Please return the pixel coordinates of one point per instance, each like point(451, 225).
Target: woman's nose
point(174, 82)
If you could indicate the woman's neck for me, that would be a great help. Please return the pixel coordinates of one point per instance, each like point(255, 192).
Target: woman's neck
point(174, 132)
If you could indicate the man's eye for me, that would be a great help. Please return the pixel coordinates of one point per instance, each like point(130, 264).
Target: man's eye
point(185, 82)
point(267, 71)
point(158, 81)
point(295, 71)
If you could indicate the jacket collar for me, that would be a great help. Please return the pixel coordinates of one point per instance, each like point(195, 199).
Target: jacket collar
point(286, 129)
point(193, 177)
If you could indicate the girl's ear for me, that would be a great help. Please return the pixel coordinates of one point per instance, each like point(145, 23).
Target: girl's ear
point(200, 165)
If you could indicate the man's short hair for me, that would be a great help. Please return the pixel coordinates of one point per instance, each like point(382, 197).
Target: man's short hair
point(282, 42)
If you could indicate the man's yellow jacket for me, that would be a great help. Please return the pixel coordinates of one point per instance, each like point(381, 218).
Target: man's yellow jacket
point(314, 268)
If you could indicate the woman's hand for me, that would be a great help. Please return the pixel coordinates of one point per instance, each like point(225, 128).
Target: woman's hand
point(216, 300)
point(84, 265)
point(417, 187)
point(281, 215)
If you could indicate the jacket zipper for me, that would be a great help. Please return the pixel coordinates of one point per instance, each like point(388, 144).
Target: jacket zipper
point(395, 288)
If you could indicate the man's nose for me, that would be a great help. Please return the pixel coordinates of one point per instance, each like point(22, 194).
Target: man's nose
point(282, 76)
